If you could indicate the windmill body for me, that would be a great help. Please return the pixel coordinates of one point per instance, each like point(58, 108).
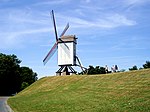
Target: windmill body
point(66, 46)
point(67, 51)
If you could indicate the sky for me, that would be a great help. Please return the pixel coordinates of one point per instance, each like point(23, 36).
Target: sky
point(109, 32)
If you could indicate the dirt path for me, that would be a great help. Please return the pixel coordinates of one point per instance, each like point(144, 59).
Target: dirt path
point(3, 105)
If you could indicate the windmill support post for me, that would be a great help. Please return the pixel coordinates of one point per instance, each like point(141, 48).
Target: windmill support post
point(65, 70)
point(80, 65)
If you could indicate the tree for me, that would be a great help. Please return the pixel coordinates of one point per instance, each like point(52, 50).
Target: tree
point(102, 70)
point(91, 70)
point(133, 68)
point(27, 76)
point(9, 74)
point(147, 64)
point(96, 70)
point(14, 78)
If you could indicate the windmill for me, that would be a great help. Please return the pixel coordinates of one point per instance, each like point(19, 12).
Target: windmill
point(66, 46)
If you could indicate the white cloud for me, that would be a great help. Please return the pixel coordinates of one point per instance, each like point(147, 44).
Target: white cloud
point(87, 1)
point(131, 43)
point(18, 24)
point(8, 41)
point(135, 2)
point(15, 38)
point(5, 0)
point(108, 21)
point(120, 20)
point(52, 2)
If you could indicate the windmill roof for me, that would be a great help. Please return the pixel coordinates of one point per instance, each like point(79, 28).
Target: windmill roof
point(68, 38)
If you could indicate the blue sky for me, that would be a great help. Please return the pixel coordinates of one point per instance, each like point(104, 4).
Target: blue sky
point(109, 32)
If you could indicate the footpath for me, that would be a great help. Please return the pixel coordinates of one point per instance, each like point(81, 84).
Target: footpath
point(3, 105)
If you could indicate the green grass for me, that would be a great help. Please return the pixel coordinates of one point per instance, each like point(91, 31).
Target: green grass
point(118, 92)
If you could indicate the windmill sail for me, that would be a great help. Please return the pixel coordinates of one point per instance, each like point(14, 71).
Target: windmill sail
point(64, 31)
point(54, 48)
point(53, 19)
point(62, 34)
point(65, 49)
point(50, 53)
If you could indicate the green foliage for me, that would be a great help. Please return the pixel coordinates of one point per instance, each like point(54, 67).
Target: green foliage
point(27, 75)
point(119, 92)
point(122, 70)
point(9, 74)
point(24, 85)
point(133, 68)
point(12, 75)
point(147, 64)
point(96, 70)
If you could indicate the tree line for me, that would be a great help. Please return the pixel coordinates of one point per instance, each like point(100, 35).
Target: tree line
point(13, 77)
point(145, 66)
point(91, 70)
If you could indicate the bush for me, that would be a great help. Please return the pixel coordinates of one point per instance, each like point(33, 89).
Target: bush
point(147, 64)
point(133, 68)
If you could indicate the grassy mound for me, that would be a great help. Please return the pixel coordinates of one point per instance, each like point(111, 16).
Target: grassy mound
point(118, 92)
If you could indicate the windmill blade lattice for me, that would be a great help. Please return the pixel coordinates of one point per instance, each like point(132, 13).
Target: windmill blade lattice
point(64, 31)
point(54, 23)
point(50, 53)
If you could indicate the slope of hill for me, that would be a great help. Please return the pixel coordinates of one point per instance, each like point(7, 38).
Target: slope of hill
point(118, 92)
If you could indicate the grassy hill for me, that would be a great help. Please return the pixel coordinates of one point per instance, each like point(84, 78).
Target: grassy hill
point(117, 92)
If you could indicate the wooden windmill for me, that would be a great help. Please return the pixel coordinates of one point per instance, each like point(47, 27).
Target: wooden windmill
point(66, 46)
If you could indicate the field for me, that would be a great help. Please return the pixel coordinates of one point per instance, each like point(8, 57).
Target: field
point(117, 92)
